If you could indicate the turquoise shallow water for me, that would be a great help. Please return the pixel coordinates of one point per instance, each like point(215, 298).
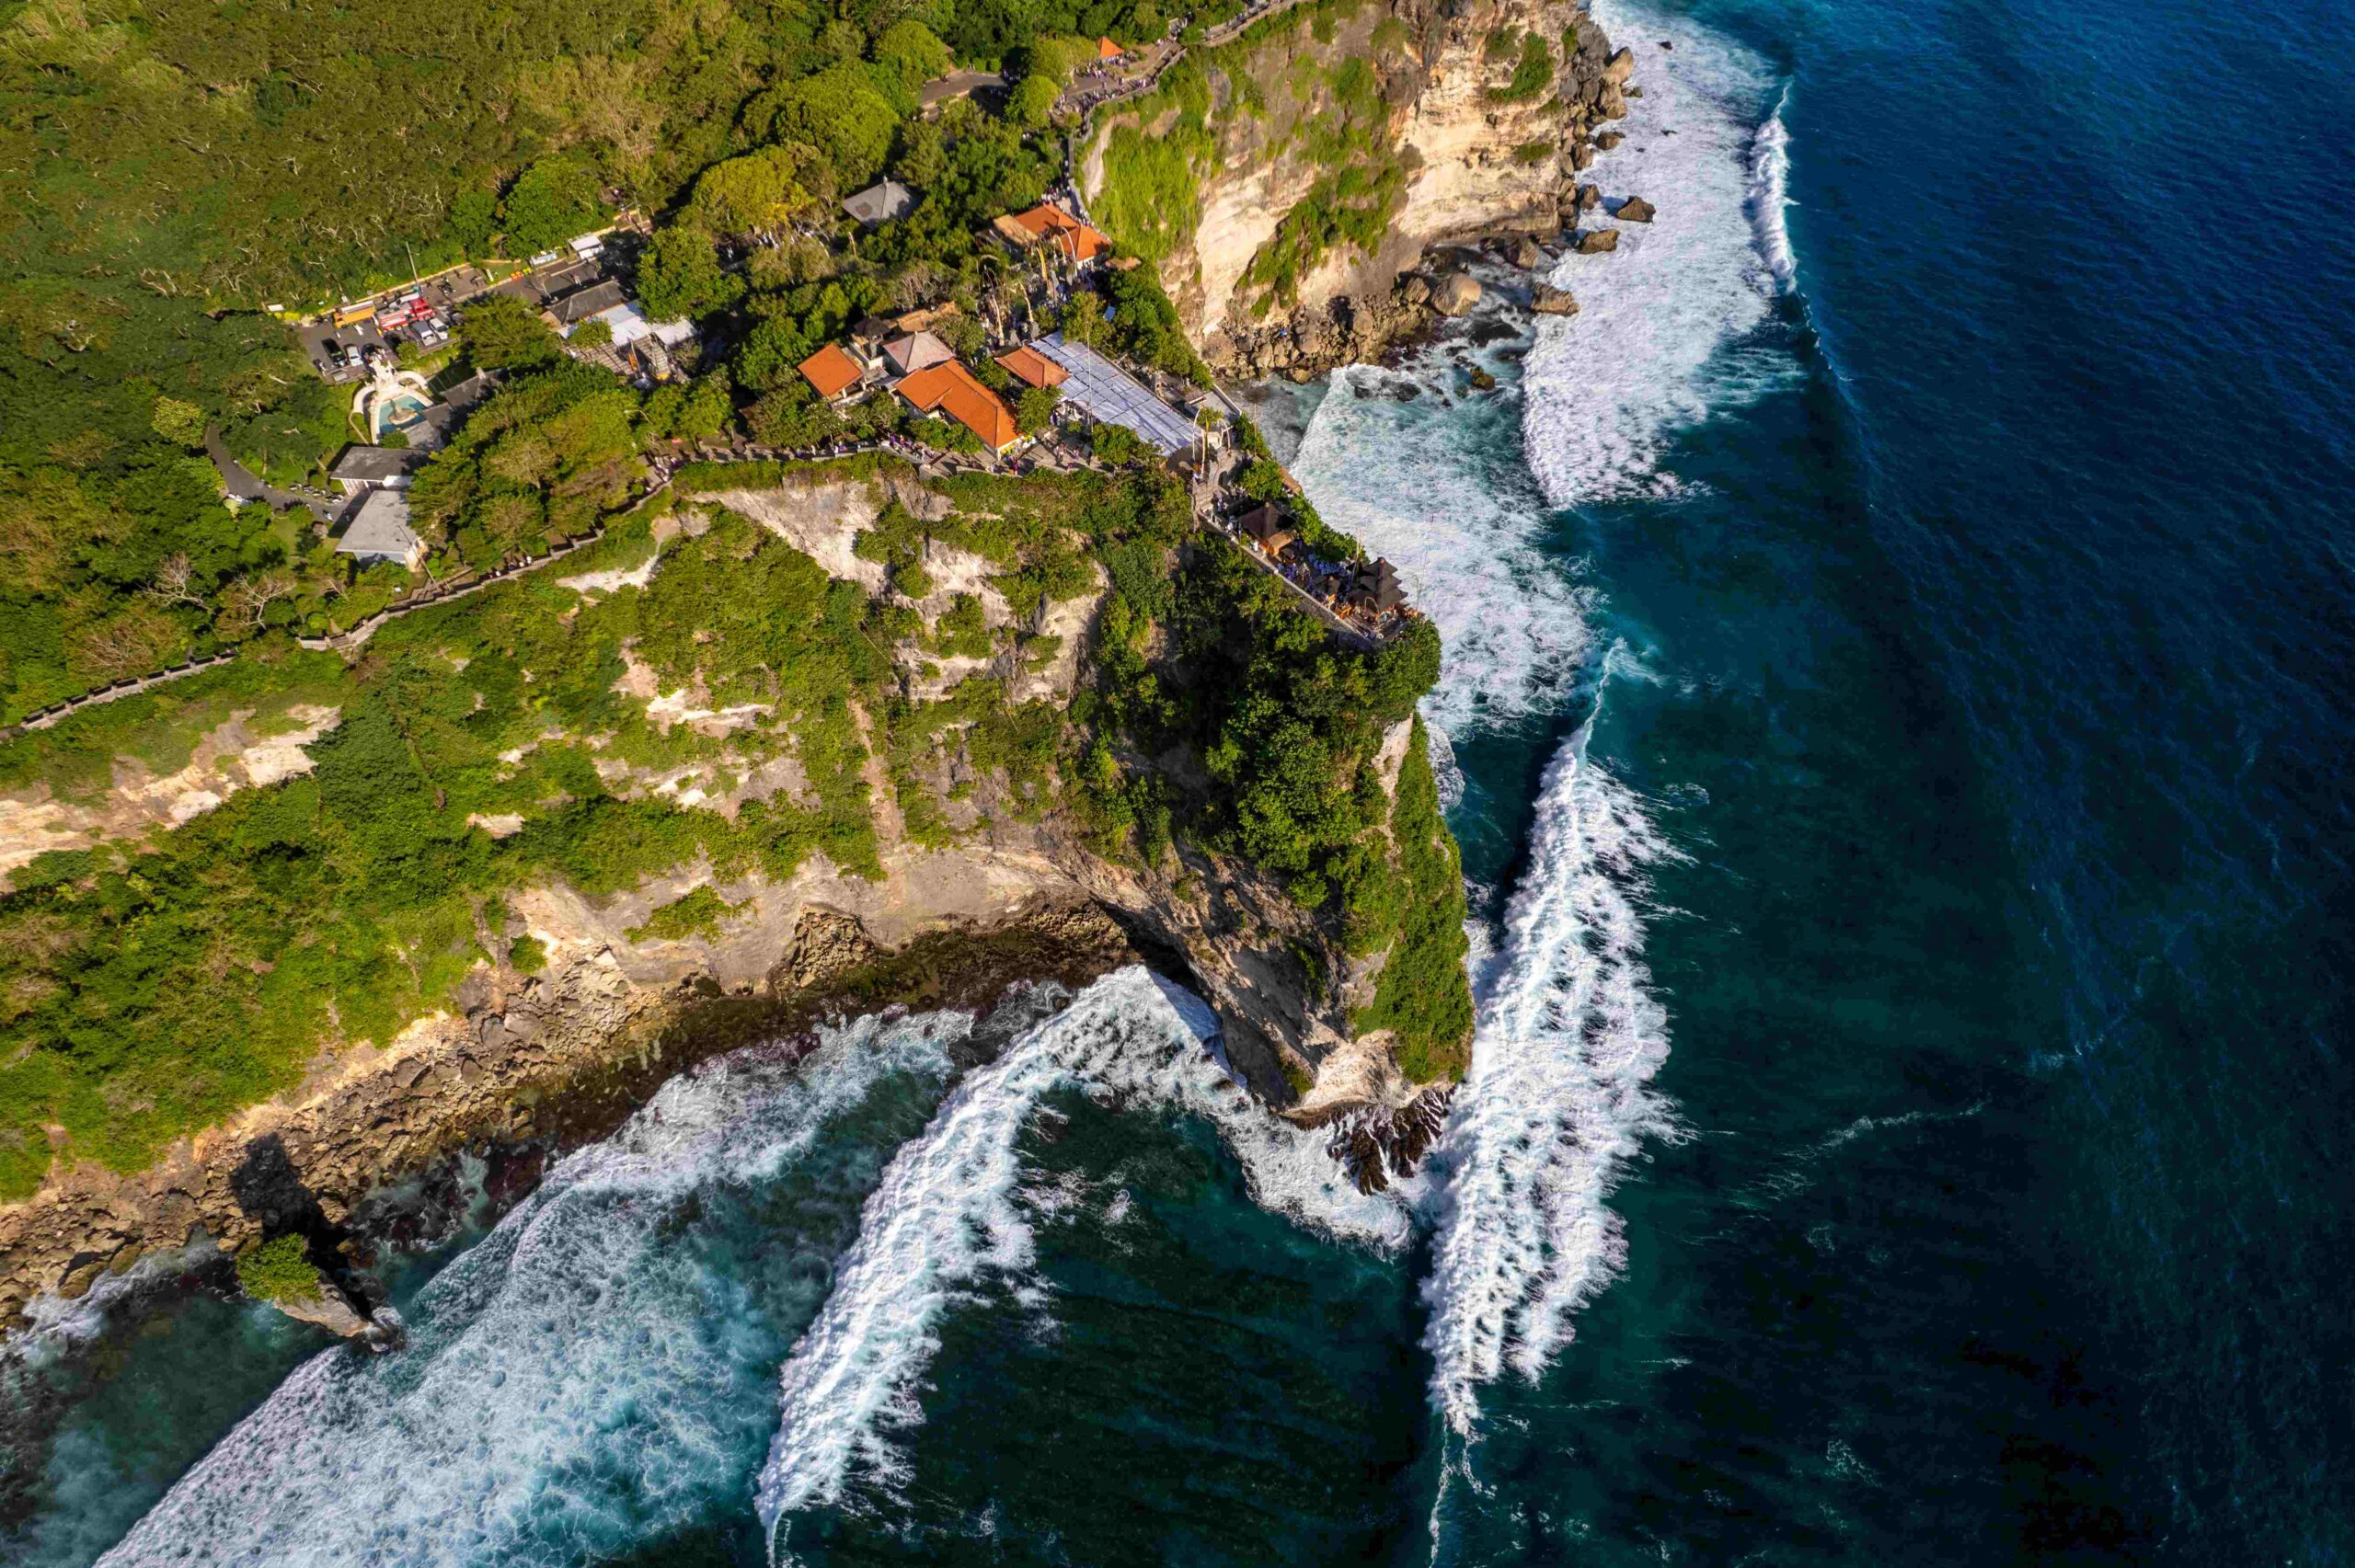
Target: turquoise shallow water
point(1898, 688)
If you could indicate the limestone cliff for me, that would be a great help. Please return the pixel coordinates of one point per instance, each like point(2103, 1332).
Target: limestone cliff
point(584, 1003)
point(1327, 151)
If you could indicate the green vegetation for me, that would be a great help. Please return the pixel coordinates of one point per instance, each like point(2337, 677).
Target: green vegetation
point(1153, 165)
point(280, 1271)
point(699, 914)
point(1421, 995)
point(547, 457)
point(1531, 77)
point(186, 171)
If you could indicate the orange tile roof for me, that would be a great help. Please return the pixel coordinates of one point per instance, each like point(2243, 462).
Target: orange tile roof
point(1107, 49)
point(1028, 364)
point(830, 369)
point(1075, 238)
point(951, 388)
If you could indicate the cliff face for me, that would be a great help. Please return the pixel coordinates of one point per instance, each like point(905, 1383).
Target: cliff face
point(1332, 148)
point(610, 1006)
point(562, 1054)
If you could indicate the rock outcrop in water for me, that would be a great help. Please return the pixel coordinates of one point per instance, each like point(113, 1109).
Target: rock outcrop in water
point(1456, 294)
point(1379, 1142)
point(1474, 149)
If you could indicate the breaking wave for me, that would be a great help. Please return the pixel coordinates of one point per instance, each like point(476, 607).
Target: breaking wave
point(1558, 1097)
point(1769, 196)
point(1423, 482)
point(950, 1212)
point(1569, 1036)
point(588, 1375)
point(1607, 386)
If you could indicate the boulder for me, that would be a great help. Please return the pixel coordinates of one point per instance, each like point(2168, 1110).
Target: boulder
point(1613, 105)
point(1635, 210)
point(1595, 242)
point(1456, 294)
point(1620, 67)
point(1525, 254)
point(1581, 155)
point(1482, 381)
point(1414, 290)
point(1608, 140)
point(1551, 301)
point(1589, 198)
point(331, 1310)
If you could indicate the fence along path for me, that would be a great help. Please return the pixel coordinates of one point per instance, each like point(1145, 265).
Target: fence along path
point(350, 636)
point(357, 633)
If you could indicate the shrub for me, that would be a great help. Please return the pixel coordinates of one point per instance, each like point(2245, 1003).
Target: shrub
point(280, 1272)
point(698, 914)
point(1532, 76)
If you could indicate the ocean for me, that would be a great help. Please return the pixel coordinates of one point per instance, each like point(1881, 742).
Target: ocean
point(1900, 646)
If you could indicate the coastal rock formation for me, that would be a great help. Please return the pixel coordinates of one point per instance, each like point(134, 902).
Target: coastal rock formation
point(1594, 242)
point(1548, 300)
point(1468, 153)
point(1588, 198)
point(1526, 254)
point(559, 1055)
point(1456, 293)
point(1635, 210)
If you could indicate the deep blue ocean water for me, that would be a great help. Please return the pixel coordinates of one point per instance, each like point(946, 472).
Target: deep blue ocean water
point(1901, 645)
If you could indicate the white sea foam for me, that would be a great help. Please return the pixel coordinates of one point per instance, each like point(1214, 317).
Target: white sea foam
point(1558, 1097)
point(951, 1211)
point(1431, 487)
point(1770, 195)
point(538, 1417)
point(1607, 386)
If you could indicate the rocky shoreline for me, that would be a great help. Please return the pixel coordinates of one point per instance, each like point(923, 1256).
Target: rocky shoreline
point(559, 1063)
point(531, 1067)
point(1499, 177)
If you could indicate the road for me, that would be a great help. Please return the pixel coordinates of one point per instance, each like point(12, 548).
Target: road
point(245, 485)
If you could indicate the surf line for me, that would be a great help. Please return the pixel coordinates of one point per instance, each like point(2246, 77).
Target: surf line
point(1557, 1099)
point(949, 1211)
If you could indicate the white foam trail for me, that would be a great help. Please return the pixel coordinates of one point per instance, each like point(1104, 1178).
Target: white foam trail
point(1769, 196)
point(1556, 1099)
point(1430, 486)
point(536, 1416)
point(1608, 387)
point(948, 1212)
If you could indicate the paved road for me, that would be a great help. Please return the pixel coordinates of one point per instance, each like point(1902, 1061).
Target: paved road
point(245, 485)
point(956, 85)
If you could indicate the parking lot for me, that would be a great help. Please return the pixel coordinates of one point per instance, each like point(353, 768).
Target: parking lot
point(426, 312)
point(421, 313)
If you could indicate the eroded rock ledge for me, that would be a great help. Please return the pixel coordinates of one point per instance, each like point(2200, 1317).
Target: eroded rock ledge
point(563, 1059)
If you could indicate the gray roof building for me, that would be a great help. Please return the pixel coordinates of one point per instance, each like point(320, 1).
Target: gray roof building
point(881, 203)
point(377, 468)
point(1111, 395)
point(595, 300)
point(916, 351)
point(379, 531)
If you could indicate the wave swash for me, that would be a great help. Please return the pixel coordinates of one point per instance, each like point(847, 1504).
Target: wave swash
point(1568, 1036)
point(948, 1210)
